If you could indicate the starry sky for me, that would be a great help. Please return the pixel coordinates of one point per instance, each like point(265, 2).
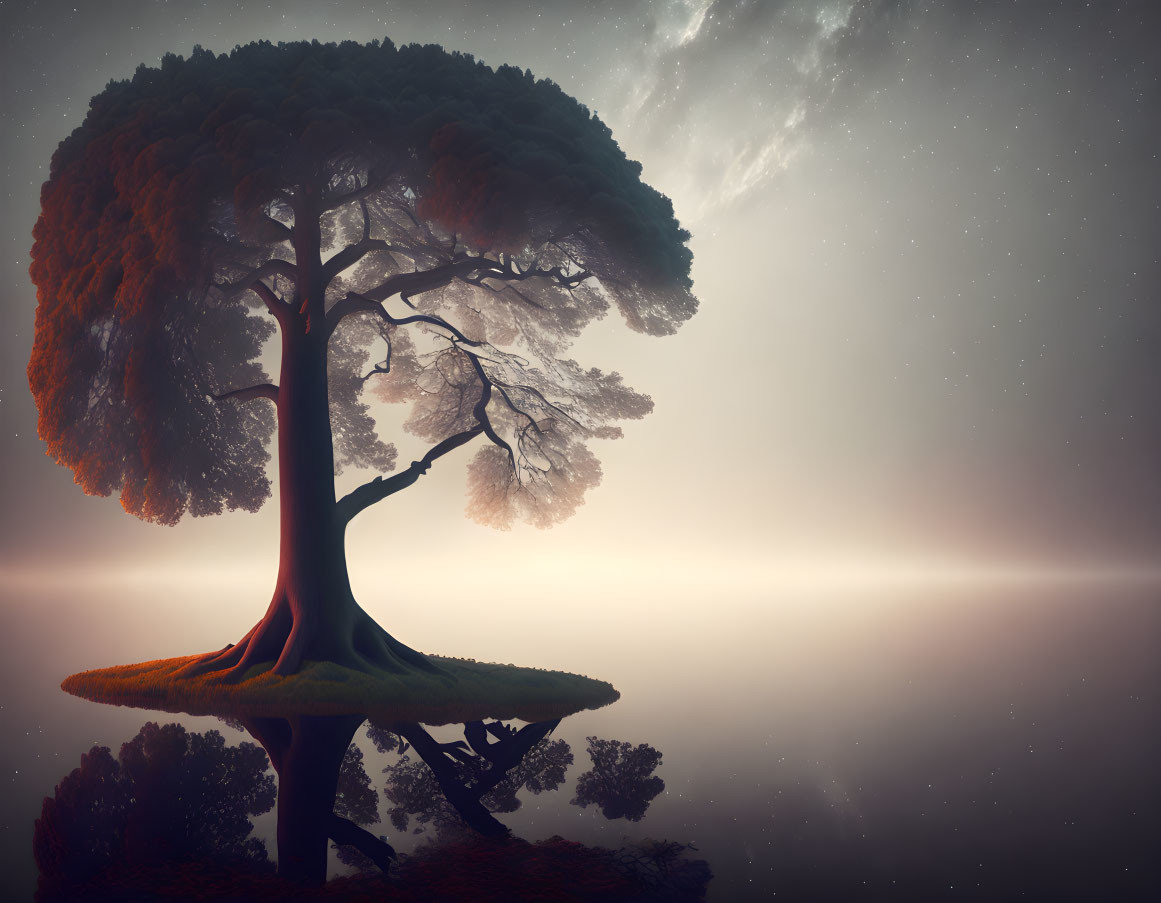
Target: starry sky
point(925, 240)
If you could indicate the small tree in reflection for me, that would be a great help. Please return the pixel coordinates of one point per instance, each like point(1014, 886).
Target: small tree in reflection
point(355, 798)
point(169, 796)
point(621, 780)
point(357, 801)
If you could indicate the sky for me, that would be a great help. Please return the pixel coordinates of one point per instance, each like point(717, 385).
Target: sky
point(925, 241)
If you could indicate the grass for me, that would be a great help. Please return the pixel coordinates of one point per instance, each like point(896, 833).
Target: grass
point(466, 691)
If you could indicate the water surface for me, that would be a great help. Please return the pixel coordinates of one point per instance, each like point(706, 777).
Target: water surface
point(990, 743)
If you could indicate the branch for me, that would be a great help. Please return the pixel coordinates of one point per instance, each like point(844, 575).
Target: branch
point(273, 303)
point(279, 228)
point(276, 267)
point(511, 746)
point(471, 270)
point(507, 753)
point(352, 254)
point(378, 489)
point(253, 281)
point(374, 183)
point(510, 273)
point(355, 303)
point(346, 833)
point(481, 409)
point(426, 280)
point(534, 391)
point(265, 390)
point(463, 799)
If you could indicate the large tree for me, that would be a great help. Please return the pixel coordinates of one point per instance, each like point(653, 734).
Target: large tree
point(411, 224)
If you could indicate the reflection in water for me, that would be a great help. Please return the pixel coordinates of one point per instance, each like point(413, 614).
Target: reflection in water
point(169, 797)
point(621, 781)
point(454, 787)
point(170, 816)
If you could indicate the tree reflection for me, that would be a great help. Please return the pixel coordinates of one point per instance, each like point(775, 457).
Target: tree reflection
point(169, 796)
point(621, 780)
point(455, 787)
point(169, 818)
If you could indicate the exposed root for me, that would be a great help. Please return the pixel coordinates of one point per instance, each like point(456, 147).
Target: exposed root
point(290, 659)
point(221, 660)
point(396, 650)
point(286, 644)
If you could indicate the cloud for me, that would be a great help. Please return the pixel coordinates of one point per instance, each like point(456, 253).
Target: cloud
point(719, 95)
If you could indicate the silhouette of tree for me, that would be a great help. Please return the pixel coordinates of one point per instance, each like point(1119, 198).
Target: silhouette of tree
point(541, 770)
point(170, 796)
point(621, 780)
point(453, 787)
point(356, 801)
point(355, 798)
point(385, 740)
point(467, 222)
point(168, 819)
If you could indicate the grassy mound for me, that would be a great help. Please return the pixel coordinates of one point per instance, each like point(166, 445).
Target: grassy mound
point(465, 691)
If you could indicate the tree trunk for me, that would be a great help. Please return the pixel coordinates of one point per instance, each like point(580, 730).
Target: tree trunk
point(312, 591)
point(306, 752)
point(313, 614)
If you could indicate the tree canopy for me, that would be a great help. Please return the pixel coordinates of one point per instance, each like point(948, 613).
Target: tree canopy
point(472, 222)
point(169, 796)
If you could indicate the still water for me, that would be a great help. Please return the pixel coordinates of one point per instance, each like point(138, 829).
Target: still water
point(924, 743)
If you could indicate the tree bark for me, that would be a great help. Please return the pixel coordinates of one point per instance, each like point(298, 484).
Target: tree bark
point(313, 614)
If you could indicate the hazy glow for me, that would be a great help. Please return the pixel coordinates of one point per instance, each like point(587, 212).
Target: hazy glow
point(744, 576)
point(924, 350)
point(887, 542)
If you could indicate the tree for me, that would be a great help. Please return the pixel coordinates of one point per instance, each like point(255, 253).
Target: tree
point(456, 786)
point(169, 796)
point(621, 780)
point(460, 223)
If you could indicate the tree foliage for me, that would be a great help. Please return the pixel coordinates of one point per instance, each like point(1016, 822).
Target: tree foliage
point(169, 796)
point(412, 789)
point(621, 781)
point(473, 222)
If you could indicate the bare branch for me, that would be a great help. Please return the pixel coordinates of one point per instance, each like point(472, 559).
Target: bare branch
point(536, 392)
point(517, 410)
point(426, 280)
point(374, 183)
point(345, 832)
point(273, 303)
point(471, 270)
point(265, 390)
point(378, 489)
point(279, 228)
point(481, 409)
point(275, 267)
point(354, 303)
point(384, 367)
point(253, 281)
point(366, 218)
point(352, 254)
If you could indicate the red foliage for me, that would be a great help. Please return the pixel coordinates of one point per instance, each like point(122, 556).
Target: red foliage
point(470, 195)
